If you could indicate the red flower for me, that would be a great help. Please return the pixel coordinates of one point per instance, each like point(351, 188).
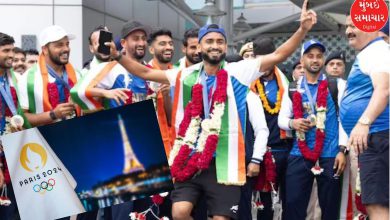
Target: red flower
point(190, 169)
point(359, 205)
point(157, 199)
point(54, 96)
point(267, 175)
point(130, 99)
point(186, 121)
point(208, 152)
point(180, 159)
point(66, 91)
point(197, 101)
point(220, 92)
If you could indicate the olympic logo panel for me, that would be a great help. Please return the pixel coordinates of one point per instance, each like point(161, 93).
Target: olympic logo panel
point(44, 186)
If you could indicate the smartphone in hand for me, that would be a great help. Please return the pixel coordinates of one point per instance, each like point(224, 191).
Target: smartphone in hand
point(104, 36)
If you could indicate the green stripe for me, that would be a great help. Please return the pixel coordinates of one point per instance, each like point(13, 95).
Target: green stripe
point(75, 96)
point(189, 81)
point(177, 64)
point(20, 112)
point(222, 157)
point(30, 89)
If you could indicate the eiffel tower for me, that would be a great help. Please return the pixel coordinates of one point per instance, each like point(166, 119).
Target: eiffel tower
point(132, 164)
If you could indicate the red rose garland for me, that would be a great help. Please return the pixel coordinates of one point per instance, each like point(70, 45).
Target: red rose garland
point(307, 153)
point(198, 160)
point(193, 109)
point(157, 199)
point(267, 178)
point(54, 95)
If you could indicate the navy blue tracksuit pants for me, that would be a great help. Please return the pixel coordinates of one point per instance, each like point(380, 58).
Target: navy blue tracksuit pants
point(299, 182)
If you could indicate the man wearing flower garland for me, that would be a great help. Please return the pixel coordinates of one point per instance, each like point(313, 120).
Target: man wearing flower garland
point(8, 93)
point(212, 95)
point(270, 87)
point(44, 89)
point(315, 154)
point(364, 113)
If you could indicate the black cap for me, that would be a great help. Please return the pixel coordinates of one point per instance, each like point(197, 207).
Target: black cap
point(335, 55)
point(297, 62)
point(131, 26)
point(263, 46)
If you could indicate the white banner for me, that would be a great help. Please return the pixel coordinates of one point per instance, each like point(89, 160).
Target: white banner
point(44, 189)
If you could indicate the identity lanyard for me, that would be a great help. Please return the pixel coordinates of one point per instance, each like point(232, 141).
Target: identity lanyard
point(63, 80)
point(206, 100)
point(312, 98)
point(5, 91)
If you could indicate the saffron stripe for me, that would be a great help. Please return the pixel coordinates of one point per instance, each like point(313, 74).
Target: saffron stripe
point(96, 80)
point(175, 105)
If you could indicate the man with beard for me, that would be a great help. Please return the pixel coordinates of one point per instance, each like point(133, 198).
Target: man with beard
point(8, 82)
point(161, 48)
point(44, 90)
point(269, 87)
point(216, 93)
point(364, 113)
point(190, 50)
point(109, 85)
point(98, 58)
point(19, 62)
point(315, 152)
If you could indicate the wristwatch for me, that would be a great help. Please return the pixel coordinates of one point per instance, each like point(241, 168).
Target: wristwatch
point(365, 121)
point(52, 115)
point(343, 149)
point(290, 124)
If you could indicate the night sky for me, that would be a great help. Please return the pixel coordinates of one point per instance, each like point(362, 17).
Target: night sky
point(91, 146)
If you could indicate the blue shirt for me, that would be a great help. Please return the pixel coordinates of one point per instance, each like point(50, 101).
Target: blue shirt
point(3, 107)
point(331, 142)
point(271, 90)
point(359, 87)
point(240, 91)
point(274, 141)
point(137, 85)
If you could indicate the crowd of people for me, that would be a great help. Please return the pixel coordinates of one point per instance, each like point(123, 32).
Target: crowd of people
point(237, 135)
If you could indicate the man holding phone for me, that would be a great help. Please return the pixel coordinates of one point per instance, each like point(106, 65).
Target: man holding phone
point(109, 85)
point(44, 91)
point(94, 45)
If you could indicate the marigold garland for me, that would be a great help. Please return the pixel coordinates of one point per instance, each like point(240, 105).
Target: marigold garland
point(264, 99)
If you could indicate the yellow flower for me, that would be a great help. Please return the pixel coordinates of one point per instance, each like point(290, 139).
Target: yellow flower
point(264, 99)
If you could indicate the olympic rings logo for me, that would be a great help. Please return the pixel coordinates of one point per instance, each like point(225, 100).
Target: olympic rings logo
point(45, 186)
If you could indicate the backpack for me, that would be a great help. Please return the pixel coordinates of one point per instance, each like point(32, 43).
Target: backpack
point(332, 86)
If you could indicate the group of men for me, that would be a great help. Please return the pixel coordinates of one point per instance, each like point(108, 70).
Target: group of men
point(253, 129)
